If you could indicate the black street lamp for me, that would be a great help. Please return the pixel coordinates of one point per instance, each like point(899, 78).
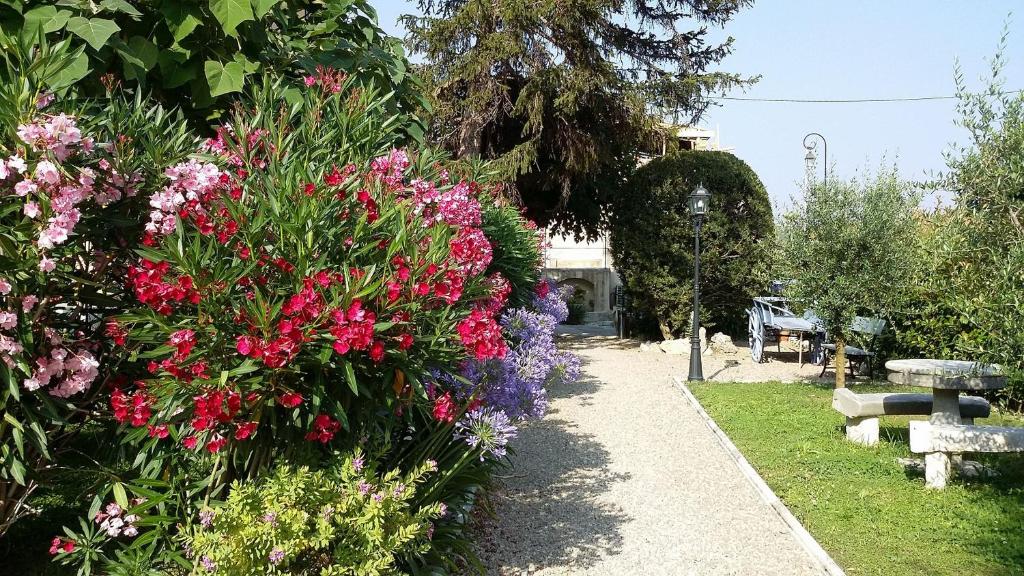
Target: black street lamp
point(699, 200)
point(810, 158)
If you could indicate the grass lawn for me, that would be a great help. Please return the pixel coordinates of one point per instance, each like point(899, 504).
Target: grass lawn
point(871, 515)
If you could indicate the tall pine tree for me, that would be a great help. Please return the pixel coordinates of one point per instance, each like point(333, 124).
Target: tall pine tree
point(563, 94)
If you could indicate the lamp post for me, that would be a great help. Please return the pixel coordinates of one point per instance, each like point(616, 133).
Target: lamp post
point(699, 200)
point(810, 158)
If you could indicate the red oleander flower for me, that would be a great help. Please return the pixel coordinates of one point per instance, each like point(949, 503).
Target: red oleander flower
point(324, 429)
point(290, 399)
point(445, 409)
point(481, 336)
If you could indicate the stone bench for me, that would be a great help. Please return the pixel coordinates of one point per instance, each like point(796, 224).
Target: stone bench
point(862, 410)
point(938, 441)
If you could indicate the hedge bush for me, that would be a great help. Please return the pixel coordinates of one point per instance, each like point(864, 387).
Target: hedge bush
point(652, 240)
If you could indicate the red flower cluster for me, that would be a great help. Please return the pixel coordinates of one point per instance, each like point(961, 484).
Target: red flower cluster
point(481, 335)
point(471, 250)
point(209, 409)
point(59, 545)
point(353, 328)
point(151, 288)
point(116, 332)
point(499, 289)
point(445, 409)
point(131, 408)
point(449, 288)
point(324, 429)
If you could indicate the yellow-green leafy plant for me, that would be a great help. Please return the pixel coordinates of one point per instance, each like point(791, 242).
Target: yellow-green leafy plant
point(345, 520)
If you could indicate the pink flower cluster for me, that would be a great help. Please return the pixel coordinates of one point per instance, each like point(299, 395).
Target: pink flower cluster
point(391, 168)
point(481, 335)
point(69, 372)
point(471, 250)
point(51, 185)
point(115, 522)
point(192, 186)
point(59, 134)
point(9, 347)
point(456, 206)
point(499, 289)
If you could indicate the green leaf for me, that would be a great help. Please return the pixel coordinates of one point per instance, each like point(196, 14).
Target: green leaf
point(144, 50)
point(350, 376)
point(261, 7)
point(95, 31)
point(224, 78)
point(17, 470)
point(77, 69)
point(175, 70)
point(182, 19)
point(119, 495)
point(120, 6)
point(46, 17)
point(231, 13)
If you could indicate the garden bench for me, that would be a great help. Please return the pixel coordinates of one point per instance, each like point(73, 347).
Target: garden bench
point(868, 326)
point(938, 441)
point(862, 410)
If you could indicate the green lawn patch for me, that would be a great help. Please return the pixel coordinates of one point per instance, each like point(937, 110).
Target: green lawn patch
point(871, 515)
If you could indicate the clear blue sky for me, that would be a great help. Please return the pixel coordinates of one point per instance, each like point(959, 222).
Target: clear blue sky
point(848, 49)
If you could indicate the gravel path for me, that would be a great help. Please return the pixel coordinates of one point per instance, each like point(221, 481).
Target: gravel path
point(623, 478)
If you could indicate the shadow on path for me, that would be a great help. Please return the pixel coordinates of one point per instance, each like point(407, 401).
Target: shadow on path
point(548, 509)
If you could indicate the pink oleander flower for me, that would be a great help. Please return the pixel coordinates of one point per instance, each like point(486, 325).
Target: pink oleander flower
point(8, 320)
point(28, 303)
point(25, 187)
point(32, 209)
point(5, 287)
point(47, 173)
point(47, 265)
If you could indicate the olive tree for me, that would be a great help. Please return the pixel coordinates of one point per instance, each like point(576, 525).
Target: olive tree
point(850, 249)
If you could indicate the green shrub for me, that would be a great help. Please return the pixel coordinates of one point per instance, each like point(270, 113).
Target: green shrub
point(577, 308)
point(652, 240)
point(347, 520)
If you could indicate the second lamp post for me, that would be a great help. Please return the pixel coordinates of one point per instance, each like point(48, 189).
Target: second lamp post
point(699, 200)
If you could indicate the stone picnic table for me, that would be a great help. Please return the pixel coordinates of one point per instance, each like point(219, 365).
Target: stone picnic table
point(946, 378)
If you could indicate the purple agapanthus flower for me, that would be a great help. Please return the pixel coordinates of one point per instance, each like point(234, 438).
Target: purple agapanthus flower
point(555, 302)
point(486, 429)
point(276, 555)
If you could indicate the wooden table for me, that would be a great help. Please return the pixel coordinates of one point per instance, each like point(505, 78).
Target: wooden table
point(946, 378)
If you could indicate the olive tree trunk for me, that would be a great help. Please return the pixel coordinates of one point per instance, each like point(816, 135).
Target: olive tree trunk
point(840, 362)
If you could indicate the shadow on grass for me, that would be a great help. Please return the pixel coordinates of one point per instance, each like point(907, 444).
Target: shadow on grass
point(548, 513)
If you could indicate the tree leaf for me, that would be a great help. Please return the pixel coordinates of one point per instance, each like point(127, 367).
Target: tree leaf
point(95, 31)
point(120, 6)
point(224, 78)
point(144, 50)
point(182, 19)
point(261, 7)
point(231, 13)
point(46, 17)
point(119, 495)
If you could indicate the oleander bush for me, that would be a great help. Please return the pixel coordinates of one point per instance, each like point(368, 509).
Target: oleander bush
point(196, 330)
point(70, 181)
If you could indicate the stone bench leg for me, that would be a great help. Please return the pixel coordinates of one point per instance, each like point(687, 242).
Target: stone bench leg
point(936, 469)
point(862, 430)
point(956, 461)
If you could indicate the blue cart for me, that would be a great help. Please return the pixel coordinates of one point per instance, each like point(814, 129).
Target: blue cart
point(769, 316)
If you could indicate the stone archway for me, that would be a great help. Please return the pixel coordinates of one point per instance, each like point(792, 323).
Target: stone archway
point(585, 288)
